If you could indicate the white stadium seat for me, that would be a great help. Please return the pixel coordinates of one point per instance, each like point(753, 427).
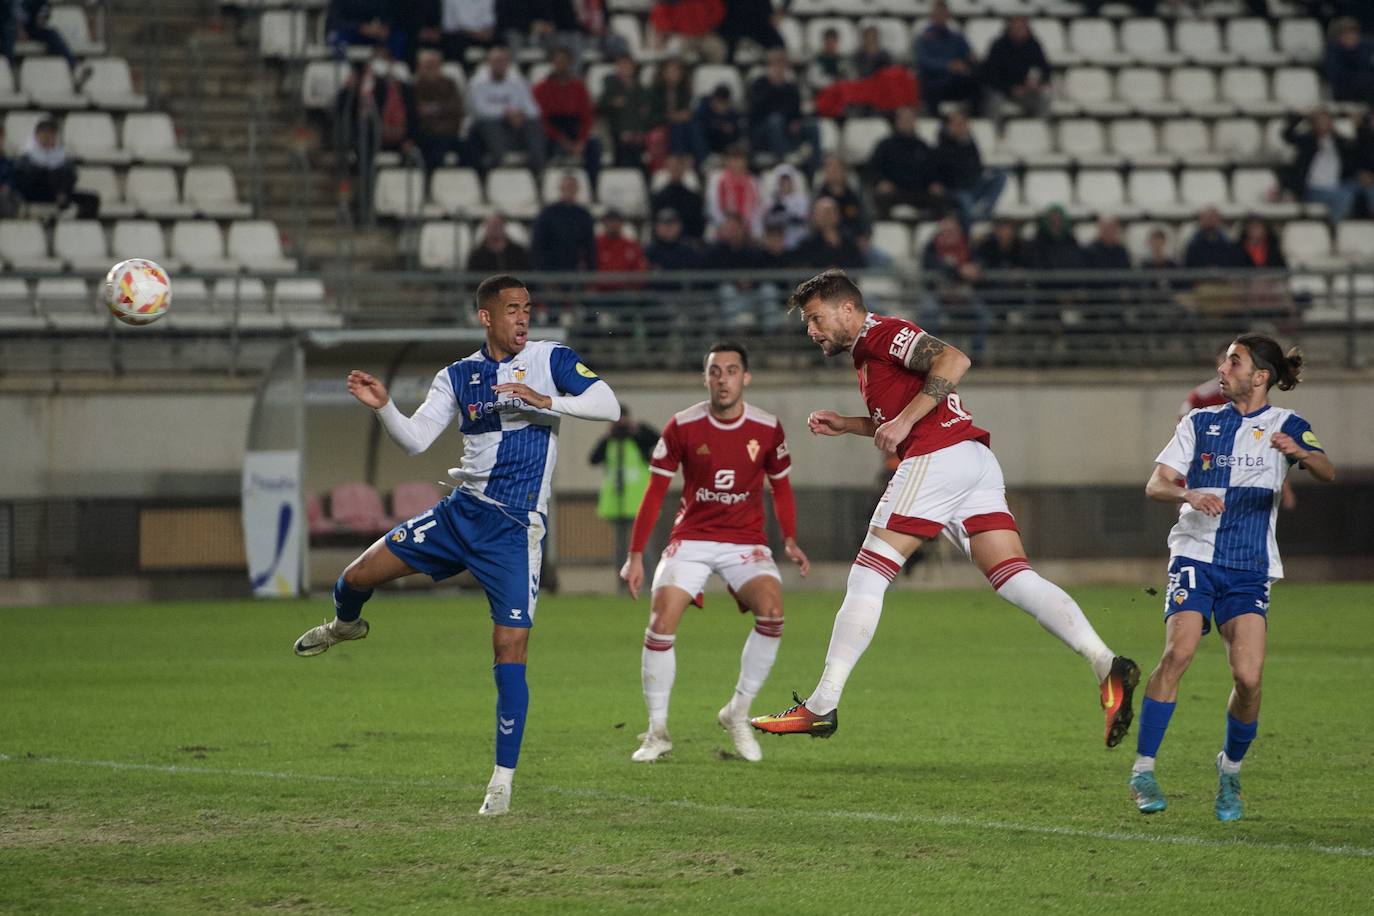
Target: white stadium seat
point(303, 303)
point(399, 193)
point(70, 20)
point(1199, 40)
point(82, 245)
point(10, 96)
point(1137, 142)
point(1190, 141)
point(1256, 191)
point(90, 137)
point(149, 137)
point(256, 244)
point(1297, 89)
point(445, 245)
point(246, 299)
point(1301, 40)
point(457, 192)
point(1142, 90)
point(1194, 89)
point(210, 190)
point(1251, 41)
point(894, 239)
point(321, 83)
point(1089, 90)
point(48, 81)
point(1355, 241)
point(17, 311)
point(1146, 41)
point(101, 181)
point(1101, 191)
point(1029, 140)
point(24, 247)
point(109, 85)
point(1054, 41)
point(1238, 139)
point(68, 305)
point(1155, 192)
point(1307, 243)
point(283, 33)
point(1046, 187)
point(1247, 88)
point(815, 28)
point(153, 192)
point(981, 33)
point(140, 238)
point(859, 136)
point(513, 193)
point(1206, 188)
point(19, 127)
point(623, 189)
point(1085, 142)
point(893, 35)
point(554, 176)
point(1094, 40)
point(628, 28)
point(199, 244)
point(707, 77)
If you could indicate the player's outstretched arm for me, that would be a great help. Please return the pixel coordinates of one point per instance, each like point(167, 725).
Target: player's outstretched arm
point(1167, 485)
point(829, 423)
point(417, 432)
point(1316, 462)
point(368, 389)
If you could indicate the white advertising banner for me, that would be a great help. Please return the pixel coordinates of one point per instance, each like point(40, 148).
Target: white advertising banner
point(273, 522)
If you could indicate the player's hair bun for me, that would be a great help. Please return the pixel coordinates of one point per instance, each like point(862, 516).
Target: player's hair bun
point(1290, 371)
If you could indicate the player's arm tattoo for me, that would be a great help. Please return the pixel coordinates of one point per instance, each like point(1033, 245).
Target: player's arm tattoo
point(938, 388)
point(925, 352)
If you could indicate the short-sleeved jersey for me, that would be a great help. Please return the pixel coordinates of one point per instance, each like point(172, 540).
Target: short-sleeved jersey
point(723, 467)
point(1221, 451)
point(882, 354)
point(509, 448)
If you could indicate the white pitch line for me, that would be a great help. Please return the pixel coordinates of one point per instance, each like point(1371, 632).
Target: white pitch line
point(934, 820)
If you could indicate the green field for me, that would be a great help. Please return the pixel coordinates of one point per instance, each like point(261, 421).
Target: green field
point(177, 758)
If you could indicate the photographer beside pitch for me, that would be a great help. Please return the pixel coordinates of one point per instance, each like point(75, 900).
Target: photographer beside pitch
point(510, 396)
point(1222, 470)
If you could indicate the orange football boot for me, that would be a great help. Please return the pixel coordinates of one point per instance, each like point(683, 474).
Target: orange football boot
point(798, 720)
point(1117, 690)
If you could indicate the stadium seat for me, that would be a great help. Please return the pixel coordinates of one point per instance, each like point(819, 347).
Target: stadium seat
point(552, 178)
point(793, 38)
point(985, 135)
point(1094, 40)
point(81, 244)
point(1199, 40)
point(357, 507)
point(1136, 141)
point(1207, 188)
point(1297, 89)
point(1101, 192)
point(101, 181)
point(893, 35)
point(399, 193)
point(1137, 239)
point(411, 498)
point(303, 303)
point(1155, 192)
point(1029, 140)
point(18, 128)
point(210, 190)
point(1146, 42)
point(316, 522)
point(68, 305)
point(1307, 243)
point(199, 244)
point(17, 307)
point(1190, 141)
point(707, 77)
point(1250, 40)
point(283, 33)
point(245, 300)
point(629, 28)
point(140, 238)
point(321, 82)
point(1089, 90)
point(1355, 241)
point(1085, 142)
point(70, 20)
point(10, 96)
point(194, 309)
point(1247, 88)
point(444, 245)
point(153, 192)
point(514, 191)
point(893, 239)
point(1238, 139)
point(623, 189)
point(981, 33)
point(90, 137)
point(1047, 187)
point(849, 35)
point(109, 85)
point(256, 244)
point(1054, 41)
point(859, 136)
point(1301, 40)
point(149, 137)
point(48, 81)
point(24, 247)
point(1142, 89)
point(1194, 89)
point(1256, 191)
point(457, 192)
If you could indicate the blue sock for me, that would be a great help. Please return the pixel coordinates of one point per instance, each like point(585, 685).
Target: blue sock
point(1154, 719)
point(348, 602)
point(512, 701)
point(1238, 737)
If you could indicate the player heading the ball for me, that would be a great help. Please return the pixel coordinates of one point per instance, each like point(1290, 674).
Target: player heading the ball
point(948, 482)
point(726, 449)
point(509, 397)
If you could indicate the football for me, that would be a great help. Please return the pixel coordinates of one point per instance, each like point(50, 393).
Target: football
point(137, 291)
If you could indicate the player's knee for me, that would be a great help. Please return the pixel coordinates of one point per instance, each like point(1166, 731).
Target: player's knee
point(509, 645)
point(769, 625)
point(356, 577)
point(1175, 661)
point(1247, 682)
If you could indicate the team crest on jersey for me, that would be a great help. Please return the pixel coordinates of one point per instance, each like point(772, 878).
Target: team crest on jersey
point(1258, 433)
point(1206, 461)
point(703, 449)
point(660, 450)
point(519, 373)
point(399, 535)
point(753, 449)
point(1180, 596)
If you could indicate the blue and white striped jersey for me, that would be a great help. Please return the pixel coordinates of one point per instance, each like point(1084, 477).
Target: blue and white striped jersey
point(509, 448)
point(1221, 451)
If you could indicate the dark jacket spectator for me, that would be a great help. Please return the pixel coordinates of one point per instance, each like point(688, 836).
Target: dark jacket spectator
point(827, 64)
point(669, 250)
point(871, 56)
point(903, 167)
point(944, 62)
point(374, 97)
point(670, 96)
point(1106, 251)
point(1159, 256)
point(1349, 63)
point(828, 245)
point(1307, 140)
point(627, 109)
point(775, 93)
point(495, 253)
point(716, 123)
point(366, 22)
point(752, 19)
point(564, 235)
point(46, 174)
point(957, 162)
point(438, 110)
point(1054, 247)
point(1002, 248)
point(1210, 246)
point(688, 204)
point(1016, 69)
point(835, 184)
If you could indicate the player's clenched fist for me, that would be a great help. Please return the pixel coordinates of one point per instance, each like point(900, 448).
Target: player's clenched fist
point(1206, 503)
point(524, 393)
point(368, 389)
point(825, 423)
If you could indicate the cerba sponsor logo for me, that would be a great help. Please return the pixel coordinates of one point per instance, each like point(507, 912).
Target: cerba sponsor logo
point(1211, 460)
point(485, 407)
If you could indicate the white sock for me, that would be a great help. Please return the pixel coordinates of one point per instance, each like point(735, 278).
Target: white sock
point(1228, 765)
point(873, 570)
point(1143, 764)
point(1054, 610)
point(657, 668)
point(760, 651)
point(501, 776)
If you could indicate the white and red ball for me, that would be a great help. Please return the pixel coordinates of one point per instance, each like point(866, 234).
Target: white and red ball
point(137, 291)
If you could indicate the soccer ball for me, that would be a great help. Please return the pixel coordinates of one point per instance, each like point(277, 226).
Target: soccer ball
point(137, 291)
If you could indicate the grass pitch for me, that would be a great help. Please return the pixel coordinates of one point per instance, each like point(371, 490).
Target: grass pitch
point(177, 758)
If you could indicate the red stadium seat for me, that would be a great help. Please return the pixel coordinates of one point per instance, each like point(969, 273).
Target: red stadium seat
point(411, 498)
point(358, 507)
point(315, 519)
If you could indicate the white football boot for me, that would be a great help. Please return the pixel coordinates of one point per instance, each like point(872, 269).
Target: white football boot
point(497, 801)
point(318, 639)
point(654, 746)
point(742, 733)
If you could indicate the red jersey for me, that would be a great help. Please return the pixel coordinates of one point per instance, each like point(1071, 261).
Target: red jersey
point(723, 466)
point(1208, 394)
point(881, 353)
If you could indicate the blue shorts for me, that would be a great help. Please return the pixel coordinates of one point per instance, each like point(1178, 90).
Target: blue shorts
point(1217, 593)
point(463, 532)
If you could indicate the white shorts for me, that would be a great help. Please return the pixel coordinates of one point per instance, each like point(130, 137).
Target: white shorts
point(688, 564)
point(957, 490)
